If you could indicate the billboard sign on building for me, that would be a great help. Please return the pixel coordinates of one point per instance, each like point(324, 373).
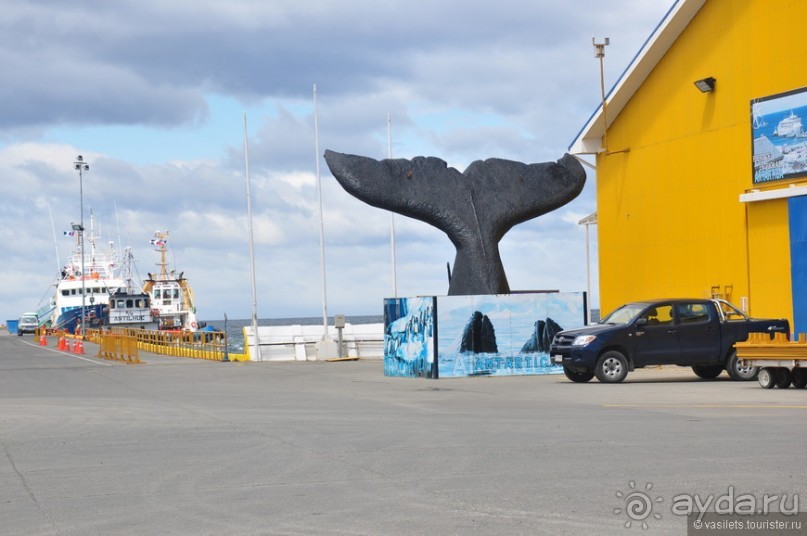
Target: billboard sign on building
point(779, 137)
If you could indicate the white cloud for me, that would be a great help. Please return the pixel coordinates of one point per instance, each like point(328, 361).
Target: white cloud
point(122, 82)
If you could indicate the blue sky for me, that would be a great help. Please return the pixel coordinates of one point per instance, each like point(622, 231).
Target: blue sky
point(153, 93)
point(206, 139)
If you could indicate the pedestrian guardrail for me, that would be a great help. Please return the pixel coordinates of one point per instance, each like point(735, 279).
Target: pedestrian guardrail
point(210, 345)
point(119, 348)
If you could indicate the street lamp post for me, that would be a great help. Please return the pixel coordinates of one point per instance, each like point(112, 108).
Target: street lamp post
point(81, 166)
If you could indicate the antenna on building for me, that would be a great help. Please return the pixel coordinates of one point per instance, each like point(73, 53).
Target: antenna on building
point(600, 53)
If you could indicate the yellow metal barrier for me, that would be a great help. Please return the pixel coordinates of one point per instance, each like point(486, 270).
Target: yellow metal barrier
point(210, 345)
point(760, 346)
point(118, 347)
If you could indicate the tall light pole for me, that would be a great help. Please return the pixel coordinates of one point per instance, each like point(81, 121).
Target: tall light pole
point(81, 166)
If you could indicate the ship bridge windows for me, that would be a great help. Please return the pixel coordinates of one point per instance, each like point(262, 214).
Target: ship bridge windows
point(166, 294)
point(128, 303)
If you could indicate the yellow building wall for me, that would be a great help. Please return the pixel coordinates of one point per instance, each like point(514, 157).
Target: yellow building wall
point(769, 245)
point(670, 223)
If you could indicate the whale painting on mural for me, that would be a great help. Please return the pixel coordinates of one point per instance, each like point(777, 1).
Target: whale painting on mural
point(474, 208)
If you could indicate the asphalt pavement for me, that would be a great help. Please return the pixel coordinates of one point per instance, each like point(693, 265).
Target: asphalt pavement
point(183, 446)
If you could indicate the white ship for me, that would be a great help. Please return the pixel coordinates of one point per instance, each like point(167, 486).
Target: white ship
point(790, 127)
point(171, 294)
point(86, 283)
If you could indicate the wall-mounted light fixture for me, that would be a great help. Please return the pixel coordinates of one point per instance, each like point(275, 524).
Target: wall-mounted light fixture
point(706, 85)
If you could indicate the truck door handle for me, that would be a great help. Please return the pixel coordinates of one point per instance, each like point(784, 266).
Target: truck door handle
point(672, 331)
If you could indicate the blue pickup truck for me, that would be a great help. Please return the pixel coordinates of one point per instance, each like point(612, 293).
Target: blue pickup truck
point(697, 333)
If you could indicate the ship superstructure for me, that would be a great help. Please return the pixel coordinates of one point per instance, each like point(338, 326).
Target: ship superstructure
point(170, 293)
point(86, 282)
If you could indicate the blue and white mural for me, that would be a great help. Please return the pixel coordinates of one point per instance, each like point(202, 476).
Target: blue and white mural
point(503, 335)
point(409, 333)
point(497, 335)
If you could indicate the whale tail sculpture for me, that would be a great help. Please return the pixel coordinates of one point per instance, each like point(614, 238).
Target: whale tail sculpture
point(474, 208)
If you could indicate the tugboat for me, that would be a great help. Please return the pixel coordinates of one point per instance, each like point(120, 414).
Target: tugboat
point(170, 294)
point(129, 307)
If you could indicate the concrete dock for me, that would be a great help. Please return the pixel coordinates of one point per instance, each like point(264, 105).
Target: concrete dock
point(181, 446)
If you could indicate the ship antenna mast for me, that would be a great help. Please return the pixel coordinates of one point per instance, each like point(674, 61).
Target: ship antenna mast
point(161, 241)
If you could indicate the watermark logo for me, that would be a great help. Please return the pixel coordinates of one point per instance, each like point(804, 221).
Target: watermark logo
point(733, 503)
point(638, 505)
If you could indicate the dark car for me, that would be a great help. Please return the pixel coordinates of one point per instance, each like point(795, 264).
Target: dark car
point(697, 333)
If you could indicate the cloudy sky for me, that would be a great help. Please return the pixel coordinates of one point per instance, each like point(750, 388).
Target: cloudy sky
point(153, 94)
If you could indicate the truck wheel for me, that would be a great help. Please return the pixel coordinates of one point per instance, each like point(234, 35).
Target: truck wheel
point(578, 377)
point(767, 378)
point(612, 367)
point(707, 372)
point(783, 378)
point(737, 371)
point(799, 378)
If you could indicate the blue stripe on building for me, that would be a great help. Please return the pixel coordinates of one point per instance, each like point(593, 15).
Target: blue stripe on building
point(797, 214)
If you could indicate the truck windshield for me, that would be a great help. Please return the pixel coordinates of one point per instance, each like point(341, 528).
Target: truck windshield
point(624, 315)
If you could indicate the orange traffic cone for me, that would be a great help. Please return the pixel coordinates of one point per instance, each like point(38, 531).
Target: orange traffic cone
point(80, 347)
point(62, 344)
point(42, 340)
point(75, 346)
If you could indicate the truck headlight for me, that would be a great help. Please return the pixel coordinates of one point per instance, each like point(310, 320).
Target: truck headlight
point(582, 340)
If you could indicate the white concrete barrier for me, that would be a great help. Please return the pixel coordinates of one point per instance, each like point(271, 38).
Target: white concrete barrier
point(299, 343)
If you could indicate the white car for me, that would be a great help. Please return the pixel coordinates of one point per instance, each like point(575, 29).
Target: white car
point(28, 323)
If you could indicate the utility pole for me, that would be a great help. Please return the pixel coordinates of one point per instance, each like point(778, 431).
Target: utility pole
point(600, 53)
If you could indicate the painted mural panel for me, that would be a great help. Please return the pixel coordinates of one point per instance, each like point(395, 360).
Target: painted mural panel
point(409, 337)
point(779, 138)
point(502, 335)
